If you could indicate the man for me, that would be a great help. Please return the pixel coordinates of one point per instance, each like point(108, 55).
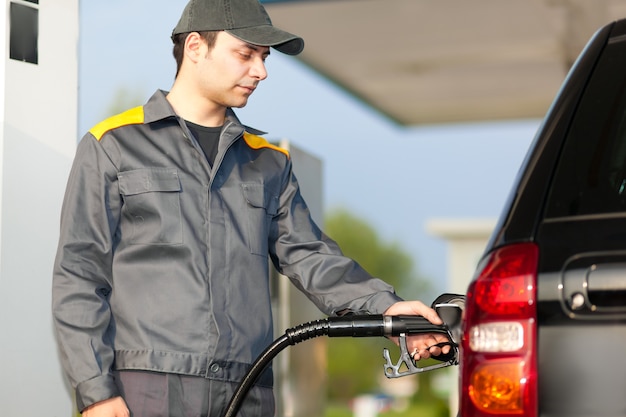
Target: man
point(172, 213)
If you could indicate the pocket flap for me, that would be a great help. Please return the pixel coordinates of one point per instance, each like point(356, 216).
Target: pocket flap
point(256, 196)
point(147, 180)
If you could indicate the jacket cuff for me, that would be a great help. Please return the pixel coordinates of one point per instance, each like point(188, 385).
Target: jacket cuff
point(374, 304)
point(95, 390)
point(382, 301)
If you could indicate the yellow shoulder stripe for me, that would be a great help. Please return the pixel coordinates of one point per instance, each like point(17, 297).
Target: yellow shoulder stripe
point(129, 117)
point(257, 142)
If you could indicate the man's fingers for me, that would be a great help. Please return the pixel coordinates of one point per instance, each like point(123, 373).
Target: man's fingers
point(426, 346)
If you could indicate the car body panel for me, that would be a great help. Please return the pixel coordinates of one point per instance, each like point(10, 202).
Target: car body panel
point(569, 199)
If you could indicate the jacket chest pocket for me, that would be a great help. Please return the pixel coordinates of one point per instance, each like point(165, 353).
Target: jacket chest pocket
point(151, 212)
point(261, 207)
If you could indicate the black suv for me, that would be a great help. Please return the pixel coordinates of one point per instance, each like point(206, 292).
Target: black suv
point(544, 330)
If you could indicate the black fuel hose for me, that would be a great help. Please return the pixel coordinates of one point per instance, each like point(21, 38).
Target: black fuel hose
point(344, 326)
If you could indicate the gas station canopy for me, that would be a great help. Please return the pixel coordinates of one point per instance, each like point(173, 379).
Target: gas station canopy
point(438, 61)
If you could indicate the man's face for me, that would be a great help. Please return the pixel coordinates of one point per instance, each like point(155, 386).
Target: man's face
point(231, 70)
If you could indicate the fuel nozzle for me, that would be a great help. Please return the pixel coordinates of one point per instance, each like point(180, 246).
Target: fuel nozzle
point(402, 327)
point(379, 325)
point(451, 315)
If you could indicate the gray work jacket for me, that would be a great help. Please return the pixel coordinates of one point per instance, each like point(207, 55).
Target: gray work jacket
point(163, 260)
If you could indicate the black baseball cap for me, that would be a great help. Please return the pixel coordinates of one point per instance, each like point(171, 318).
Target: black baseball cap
point(244, 19)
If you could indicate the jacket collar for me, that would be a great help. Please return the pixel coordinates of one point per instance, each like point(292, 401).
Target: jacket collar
point(158, 108)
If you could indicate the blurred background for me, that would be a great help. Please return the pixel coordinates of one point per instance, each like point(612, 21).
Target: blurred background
point(410, 119)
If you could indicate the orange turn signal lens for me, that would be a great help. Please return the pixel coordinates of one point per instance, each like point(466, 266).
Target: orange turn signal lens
point(498, 386)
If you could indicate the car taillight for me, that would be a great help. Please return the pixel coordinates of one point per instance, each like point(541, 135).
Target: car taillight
point(498, 358)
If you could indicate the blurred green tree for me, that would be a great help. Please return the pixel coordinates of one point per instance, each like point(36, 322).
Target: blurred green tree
point(356, 365)
point(123, 100)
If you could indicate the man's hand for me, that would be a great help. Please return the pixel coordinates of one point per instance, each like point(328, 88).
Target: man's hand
point(113, 407)
point(421, 346)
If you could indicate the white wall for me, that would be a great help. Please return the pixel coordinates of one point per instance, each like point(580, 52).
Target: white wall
point(466, 240)
point(38, 121)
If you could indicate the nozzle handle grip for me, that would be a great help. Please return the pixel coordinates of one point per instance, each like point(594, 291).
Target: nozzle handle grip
point(379, 325)
point(410, 325)
point(356, 326)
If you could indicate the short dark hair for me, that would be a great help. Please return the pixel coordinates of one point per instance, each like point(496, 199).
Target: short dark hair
point(179, 44)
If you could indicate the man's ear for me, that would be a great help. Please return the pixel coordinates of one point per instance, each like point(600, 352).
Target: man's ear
point(193, 46)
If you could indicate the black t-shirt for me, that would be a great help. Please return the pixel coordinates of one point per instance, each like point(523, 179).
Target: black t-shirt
point(208, 138)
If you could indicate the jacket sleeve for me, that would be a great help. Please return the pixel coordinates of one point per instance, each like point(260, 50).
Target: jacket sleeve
point(82, 274)
point(315, 264)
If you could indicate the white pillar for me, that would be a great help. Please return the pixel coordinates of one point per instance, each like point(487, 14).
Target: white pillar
point(300, 371)
point(466, 240)
point(38, 122)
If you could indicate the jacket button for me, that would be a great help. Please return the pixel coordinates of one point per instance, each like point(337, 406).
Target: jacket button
point(215, 368)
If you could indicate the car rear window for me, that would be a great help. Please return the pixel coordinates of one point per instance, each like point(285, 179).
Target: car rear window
point(591, 171)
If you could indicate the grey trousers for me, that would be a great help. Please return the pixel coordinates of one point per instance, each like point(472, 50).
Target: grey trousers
point(152, 394)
